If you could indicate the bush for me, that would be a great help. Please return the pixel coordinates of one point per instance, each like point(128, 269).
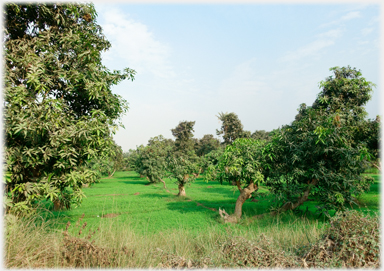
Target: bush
point(352, 240)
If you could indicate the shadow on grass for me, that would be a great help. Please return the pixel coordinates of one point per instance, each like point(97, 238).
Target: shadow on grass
point(157, 195)
point(144, 182)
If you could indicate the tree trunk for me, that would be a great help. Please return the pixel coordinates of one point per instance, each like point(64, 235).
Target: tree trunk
point(377, 165)
point(163, 183)
point(57, 205)
point(112, 173)
point(244, 195)
point(291, 206)
point(181, 191)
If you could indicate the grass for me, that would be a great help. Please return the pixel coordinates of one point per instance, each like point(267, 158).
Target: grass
point(155, 223)
point(127, 199)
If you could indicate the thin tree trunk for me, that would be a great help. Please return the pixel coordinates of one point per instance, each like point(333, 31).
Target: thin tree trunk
point(291, 206)
point(163, 183)
point(378, 165)
point(57, 205)
point(112, 173)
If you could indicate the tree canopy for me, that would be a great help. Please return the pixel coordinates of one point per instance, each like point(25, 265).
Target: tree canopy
point(318, 154)
point(59, 109)
point(231, 128)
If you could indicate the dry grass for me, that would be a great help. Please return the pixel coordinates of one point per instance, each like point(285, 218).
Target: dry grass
point(31, 244)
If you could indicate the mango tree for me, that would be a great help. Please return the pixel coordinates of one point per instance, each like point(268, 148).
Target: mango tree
point(150, 161)
point(183, 169)
point(318, 154)
point(241, 163)
point(231, 128)
point(206, 144)
point(59, 109)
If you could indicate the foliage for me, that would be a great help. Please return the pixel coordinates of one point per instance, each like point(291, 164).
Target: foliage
point(369, 133)
point(59, 109)
point(129, 159)
point(150, 161)
point(206, 144)
point(231, 128)
point(183, 169)
point(211, 159)
point(108, 164)
point(317, 155)
point(261, 134)
point(241, 162)
point(183, 133)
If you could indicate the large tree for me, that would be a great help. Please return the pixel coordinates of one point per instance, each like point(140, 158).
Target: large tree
point(318, 155)
point(231, 128)
point(59, 109)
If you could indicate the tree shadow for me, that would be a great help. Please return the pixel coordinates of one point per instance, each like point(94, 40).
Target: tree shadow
point(156, 195)
point(135, 182)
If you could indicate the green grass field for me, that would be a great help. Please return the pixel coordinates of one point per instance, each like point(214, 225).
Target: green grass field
point(129, 201)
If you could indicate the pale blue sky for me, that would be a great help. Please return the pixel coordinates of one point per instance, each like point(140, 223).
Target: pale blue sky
point(260, 61)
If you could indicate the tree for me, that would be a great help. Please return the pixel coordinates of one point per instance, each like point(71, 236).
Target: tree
point(59, 109)
point(231, 128)
point(369, 132)
point(182, 161)
point(261, 134)
point(184, 134)
point(206, 144)
point(317, 155)
point(182, 169)
point(241, 163)
point(109, 163)
point(151, 159)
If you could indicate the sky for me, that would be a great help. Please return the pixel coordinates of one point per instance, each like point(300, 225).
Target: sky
point(260, 61)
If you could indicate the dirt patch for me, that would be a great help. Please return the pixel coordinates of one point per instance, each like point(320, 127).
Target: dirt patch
point(137, 193)
point(255, 200)
point(109, 215)
point(168, 191)
point(209, 186)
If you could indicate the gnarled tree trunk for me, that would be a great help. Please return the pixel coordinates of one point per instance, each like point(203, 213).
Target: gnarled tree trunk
point(244, 195)
point(181, 191)
point(291, 206)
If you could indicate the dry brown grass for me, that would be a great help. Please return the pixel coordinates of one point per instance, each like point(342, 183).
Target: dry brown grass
point(30, 243)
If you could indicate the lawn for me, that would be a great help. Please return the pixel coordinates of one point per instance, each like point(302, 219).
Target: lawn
point(130, 201)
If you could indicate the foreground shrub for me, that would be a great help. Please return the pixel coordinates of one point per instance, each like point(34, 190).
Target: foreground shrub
point(83, 252)
point(261, 252)
point(352, 240)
